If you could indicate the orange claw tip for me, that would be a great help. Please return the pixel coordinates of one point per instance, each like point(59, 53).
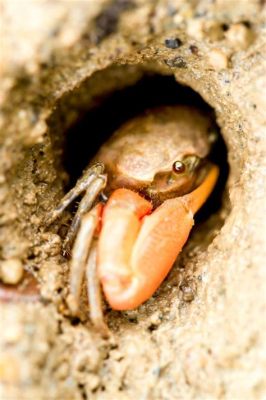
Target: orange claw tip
point(122, 218)
point(120, 290)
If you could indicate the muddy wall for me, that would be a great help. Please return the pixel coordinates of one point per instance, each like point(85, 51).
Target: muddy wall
point(202, 334)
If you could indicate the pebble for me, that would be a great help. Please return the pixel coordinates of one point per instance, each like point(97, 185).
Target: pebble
point(218, 59)
point(156, 318)
point(173, 43)
point(176, 62)
point(194, 50)
point(11, 271)
point(188, 290)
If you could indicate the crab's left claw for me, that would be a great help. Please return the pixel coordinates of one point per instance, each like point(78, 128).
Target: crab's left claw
point(136, 250)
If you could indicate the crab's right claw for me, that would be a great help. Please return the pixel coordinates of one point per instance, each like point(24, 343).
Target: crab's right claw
point(137, 250)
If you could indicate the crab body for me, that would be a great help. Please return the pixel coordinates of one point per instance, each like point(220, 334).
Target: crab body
point(141, 154)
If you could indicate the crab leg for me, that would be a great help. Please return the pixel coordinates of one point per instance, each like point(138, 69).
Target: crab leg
point(136, 250)
point(80, 254)
point(84, 206)
point(88, 177)
point(94, 292)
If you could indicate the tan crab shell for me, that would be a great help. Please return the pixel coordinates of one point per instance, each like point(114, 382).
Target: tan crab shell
point(151, 143)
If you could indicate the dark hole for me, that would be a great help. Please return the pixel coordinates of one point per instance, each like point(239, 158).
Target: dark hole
point(225, 27)
point(152, 327)
point(247, 24)
point(133, 320)
point(74, 321)
point(86, 136)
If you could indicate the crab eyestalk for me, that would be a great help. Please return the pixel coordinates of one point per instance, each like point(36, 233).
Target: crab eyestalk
point(183, 178)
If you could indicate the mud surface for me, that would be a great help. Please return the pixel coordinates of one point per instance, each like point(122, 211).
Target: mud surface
point(202, 335)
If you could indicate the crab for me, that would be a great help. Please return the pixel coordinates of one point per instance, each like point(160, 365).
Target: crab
point(141, 191)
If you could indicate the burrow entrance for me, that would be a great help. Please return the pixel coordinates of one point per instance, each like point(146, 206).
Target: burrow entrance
point(92, 126)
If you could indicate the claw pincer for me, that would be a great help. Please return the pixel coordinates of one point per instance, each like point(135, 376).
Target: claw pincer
point(137, 248)
point(122, 220)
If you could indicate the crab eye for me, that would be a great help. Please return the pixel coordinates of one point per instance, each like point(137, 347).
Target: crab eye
point(179, 167)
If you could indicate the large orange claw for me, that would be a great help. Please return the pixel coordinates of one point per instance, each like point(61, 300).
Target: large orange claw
point(136, 250)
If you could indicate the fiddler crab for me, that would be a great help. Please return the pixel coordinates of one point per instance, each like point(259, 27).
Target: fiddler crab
point(141, 192)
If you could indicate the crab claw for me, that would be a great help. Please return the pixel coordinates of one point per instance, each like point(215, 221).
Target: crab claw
point(137, 248)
